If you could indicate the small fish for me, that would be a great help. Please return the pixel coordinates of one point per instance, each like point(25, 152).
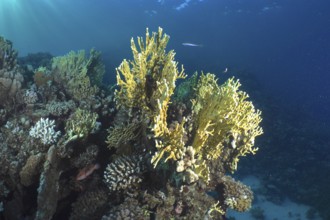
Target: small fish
point(192, 45)
point(225, 71)
point(87, 171)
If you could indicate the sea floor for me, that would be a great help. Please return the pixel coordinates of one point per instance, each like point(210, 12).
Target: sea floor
point(263, 209)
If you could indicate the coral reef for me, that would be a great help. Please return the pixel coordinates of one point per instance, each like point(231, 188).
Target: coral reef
point(220, 126)
point(238, 196)
point(11, 78)
point(60, 108)
point(142, 149)
point(89, 204)
point(119, 134)
point(80, 76)
point(129, 209)
point(80, 124)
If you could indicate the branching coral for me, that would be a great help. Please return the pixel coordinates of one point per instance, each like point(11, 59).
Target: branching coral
point(171, 140)
point(150, 76)
point(80, 76)
point(147, 83)
point(223, 118)
point(81, 124)
point(44, 130)
point(122, 134)
point(223, 122)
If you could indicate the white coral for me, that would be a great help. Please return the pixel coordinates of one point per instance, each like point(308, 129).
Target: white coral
point(44, 130)
point(30, 96)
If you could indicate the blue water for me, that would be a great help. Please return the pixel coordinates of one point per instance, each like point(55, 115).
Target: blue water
point(285, 43)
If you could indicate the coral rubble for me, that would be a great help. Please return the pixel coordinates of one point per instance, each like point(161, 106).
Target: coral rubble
point(148, 150)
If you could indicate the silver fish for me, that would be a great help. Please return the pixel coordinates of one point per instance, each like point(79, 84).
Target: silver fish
point(192, 45)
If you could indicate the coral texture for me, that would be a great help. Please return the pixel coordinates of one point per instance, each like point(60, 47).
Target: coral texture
point(44, 130)
point(81, 123)
point(88, 204)
point(225, 122)
point(11, 78)
point(124, 172)
point(79, 75)
point(237, 196)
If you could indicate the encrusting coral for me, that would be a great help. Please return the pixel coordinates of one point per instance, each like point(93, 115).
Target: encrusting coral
point(237, 196)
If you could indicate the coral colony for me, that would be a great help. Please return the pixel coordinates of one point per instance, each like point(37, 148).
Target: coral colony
point(142, 149)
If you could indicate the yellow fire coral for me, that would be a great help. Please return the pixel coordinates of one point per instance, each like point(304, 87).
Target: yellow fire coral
point(224, 121)
point(120, 134)
point(79, 75)
point(222, 124)
point(171, 142)
point(148, 81)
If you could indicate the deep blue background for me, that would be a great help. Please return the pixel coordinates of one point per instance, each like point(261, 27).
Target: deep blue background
point(286, 44)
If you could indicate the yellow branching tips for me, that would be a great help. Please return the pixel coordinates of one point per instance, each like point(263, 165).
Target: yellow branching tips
point(172, 143)
point(149, 80)
point(221, 123)
point(147, 83)
point(223, 118)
